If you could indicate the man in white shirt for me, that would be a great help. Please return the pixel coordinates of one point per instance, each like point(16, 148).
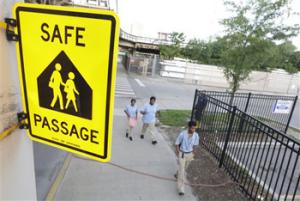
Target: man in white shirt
point(132, 113)
point(185, 145)
point(149, 117)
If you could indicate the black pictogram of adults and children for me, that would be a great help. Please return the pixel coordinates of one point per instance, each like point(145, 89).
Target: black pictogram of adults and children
point(55, 83)
point(62, 88)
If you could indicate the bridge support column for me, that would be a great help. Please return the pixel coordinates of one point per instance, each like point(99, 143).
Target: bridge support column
point(154, 64)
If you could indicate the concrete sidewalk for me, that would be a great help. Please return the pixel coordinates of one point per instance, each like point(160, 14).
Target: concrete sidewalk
point(91, 180)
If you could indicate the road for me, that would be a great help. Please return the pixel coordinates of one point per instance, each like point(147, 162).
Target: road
point(171, 90)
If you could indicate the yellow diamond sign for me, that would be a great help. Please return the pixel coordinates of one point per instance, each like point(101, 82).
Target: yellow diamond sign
point(67, 66)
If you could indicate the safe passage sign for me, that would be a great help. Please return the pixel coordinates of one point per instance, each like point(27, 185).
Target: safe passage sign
point(67, 66)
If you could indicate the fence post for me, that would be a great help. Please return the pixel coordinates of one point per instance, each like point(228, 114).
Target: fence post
point(291, 114)
point(154, 64)
point(245, 111)
point(231, 98)
point(128, 64)
point(247, 104)
point(193, 107)
point(227, 135)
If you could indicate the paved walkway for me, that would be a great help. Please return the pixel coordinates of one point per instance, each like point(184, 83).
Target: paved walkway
point(123, 88)
point(90, 180)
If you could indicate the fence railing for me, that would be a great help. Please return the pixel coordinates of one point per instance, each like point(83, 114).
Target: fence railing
point(143, 64)
point(140, 39)
point(260, 106)
point(264, 161)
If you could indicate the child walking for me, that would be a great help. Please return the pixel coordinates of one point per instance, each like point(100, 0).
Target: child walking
point(131, 112)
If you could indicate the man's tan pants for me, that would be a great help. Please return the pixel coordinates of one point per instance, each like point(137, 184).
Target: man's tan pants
point(149, 128)
point(184, 160)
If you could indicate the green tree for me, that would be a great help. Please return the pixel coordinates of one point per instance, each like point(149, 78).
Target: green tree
point(173, 50)
point(169, 51)
point(197, 50)
point(295, 60)
point(250, 36)
point(287, 58)
point(217, 48)
point(177, 38)
point(204, 52)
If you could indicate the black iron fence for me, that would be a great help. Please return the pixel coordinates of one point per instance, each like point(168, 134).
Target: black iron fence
point(265, 162)
point(275, 111)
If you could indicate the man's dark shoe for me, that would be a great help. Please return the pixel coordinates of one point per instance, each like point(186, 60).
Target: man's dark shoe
point(142, 136)
point(181, 193)
point(126, 134)
point(130, 138)
point(175, 175)
point(154, 142)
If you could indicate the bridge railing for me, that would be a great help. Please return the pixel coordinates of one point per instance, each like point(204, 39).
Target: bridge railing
point(140, 39)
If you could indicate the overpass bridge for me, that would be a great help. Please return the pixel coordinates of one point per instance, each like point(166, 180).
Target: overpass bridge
point(132, 43)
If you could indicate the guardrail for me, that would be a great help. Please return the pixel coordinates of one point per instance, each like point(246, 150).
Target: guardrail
point(140, 39)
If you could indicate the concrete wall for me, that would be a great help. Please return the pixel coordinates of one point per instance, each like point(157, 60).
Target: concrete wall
point(17, 178)
point(277, 81)
point(27, 169)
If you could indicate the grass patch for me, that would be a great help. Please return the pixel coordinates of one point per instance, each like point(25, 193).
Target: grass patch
point(177, 118)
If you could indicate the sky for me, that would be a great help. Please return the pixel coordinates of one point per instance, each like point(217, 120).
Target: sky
point(195, 18)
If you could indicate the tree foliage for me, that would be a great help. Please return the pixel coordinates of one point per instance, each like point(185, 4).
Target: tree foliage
point(255, 39)
point(287, 58)
point(251, 34)
point(177, 38)
point(204, 52)
point(173, 50)
point(281, 56)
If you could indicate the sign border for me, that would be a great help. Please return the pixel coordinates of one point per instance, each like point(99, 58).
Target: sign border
point(109, 75)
